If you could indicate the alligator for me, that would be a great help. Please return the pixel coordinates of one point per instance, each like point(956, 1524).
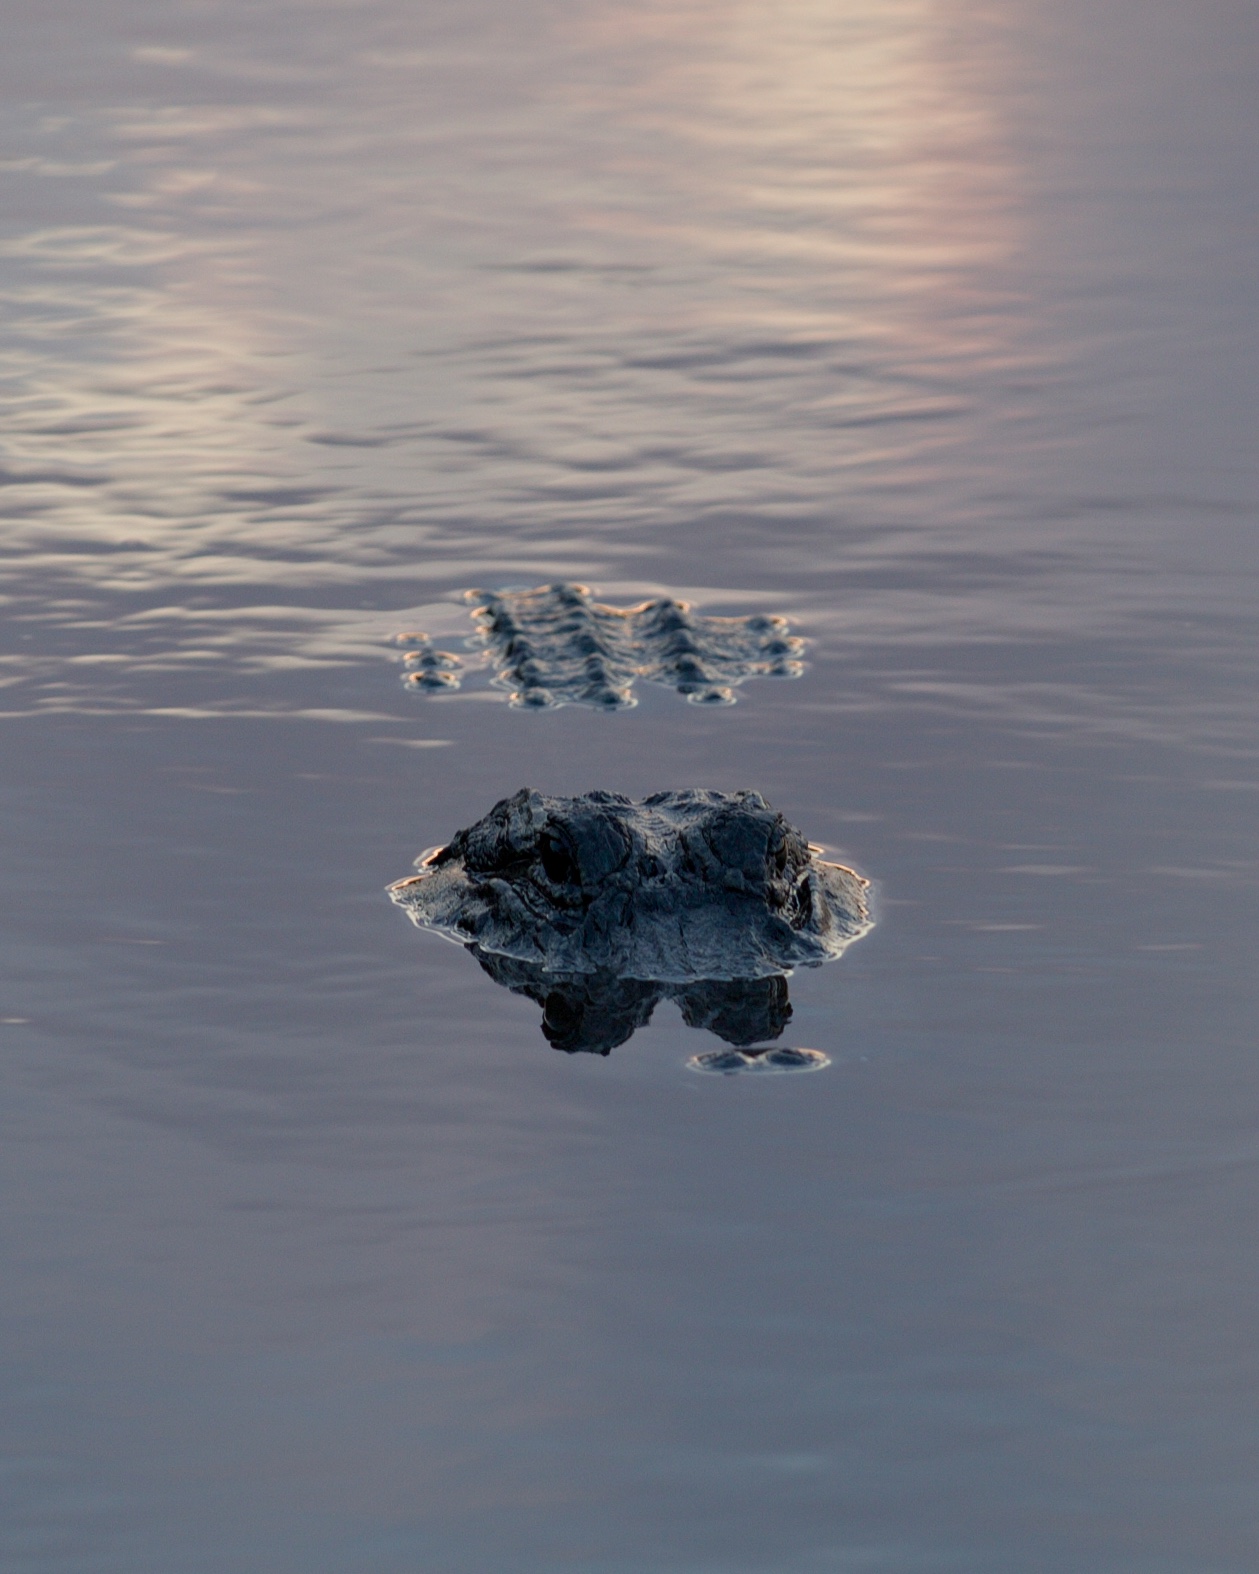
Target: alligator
point(599, 906)
point(556, 645)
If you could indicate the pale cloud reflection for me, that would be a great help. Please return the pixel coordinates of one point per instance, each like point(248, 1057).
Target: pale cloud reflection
point(859, 134)
point(617, 275)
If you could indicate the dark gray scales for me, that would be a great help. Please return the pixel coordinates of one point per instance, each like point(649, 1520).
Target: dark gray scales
point(557, 645)
point(682, 888)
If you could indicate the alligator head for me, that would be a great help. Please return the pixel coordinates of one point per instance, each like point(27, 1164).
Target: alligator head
point(680, 887)
point(599, 907)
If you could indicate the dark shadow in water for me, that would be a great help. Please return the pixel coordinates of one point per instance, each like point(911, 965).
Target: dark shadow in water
point(592, 1013)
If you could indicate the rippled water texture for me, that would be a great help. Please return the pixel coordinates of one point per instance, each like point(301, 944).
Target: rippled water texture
point(314, 308)
point(929, 327)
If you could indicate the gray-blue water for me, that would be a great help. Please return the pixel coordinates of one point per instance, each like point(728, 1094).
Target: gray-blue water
point(930, 324)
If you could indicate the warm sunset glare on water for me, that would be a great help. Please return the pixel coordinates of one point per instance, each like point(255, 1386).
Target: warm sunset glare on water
point(926, 327)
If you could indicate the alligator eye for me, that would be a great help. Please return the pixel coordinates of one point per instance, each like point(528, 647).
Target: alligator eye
point(557, 862)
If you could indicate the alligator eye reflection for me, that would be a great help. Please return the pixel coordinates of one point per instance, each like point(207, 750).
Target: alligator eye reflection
point(594, 1012)
point(559, 1018)
point(558, 863)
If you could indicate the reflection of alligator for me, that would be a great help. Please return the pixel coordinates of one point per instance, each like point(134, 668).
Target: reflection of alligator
point(598, 907)
point(598, 1011)
point(557, 645)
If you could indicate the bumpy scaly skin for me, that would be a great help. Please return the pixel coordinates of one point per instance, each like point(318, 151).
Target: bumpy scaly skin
point(683, 886)
point(557, 645)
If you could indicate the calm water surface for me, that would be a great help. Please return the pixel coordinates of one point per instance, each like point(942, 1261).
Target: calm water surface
point(930, 323)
